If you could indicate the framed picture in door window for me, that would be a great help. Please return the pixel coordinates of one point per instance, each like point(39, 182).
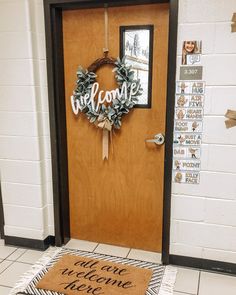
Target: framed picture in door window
point(136, 44)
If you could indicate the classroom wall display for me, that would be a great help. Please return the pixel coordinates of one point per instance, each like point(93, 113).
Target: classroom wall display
point(191, 72)
point(188, 126)
point(187, 139)
point(187, 165)
point(191, 152)
point(186, 177)
point(191, 52)
point(183, 100)
point(189, 112)
point(190, 87)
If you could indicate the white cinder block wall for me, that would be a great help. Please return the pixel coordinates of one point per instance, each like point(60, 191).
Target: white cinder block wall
point(203, 222)
point(25, 155)
point(203, 217)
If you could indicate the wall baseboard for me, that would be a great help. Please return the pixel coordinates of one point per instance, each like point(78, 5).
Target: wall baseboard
point(30, 243)
point(205, 264)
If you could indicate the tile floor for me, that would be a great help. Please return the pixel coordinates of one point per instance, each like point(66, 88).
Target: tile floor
point(15, 261)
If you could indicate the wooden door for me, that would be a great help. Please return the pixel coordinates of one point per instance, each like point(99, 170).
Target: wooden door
point(119, 201)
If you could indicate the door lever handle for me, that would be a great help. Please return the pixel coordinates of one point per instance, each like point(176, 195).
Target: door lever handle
point(158, 139)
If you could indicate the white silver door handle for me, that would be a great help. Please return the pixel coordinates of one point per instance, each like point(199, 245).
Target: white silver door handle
point(158, 139)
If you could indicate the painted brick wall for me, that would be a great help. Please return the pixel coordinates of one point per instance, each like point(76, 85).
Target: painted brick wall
point(25, 167)
point(203, 222)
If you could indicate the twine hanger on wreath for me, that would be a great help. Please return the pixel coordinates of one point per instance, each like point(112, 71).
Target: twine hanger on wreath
point(105, 59)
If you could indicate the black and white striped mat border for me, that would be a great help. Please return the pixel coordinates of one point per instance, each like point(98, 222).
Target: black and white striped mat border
point(161, 283)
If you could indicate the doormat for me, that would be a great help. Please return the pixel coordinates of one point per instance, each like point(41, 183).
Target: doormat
point(122, 275)
point(73, 274)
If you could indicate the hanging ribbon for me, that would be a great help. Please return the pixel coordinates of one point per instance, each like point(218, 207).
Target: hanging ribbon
point(105, 125)
point(106, 49)
point(105, 144)
point(231, 115)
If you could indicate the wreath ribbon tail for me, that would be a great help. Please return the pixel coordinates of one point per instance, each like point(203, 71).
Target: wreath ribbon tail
point(111, 141)
point(105, 144)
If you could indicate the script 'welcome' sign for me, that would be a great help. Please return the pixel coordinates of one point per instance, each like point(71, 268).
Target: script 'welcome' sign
point(81, 275)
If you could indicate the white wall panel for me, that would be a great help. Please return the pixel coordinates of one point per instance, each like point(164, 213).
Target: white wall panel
point(25, 232)
point(206, 235)
point(206, 11)
point(19, 148)
point(219, 99)
point(224, 39)
point(221, 158)
point(186, 250)
point(17, 72)
point(26, 217)
point(219, 255)
point(15, 45)
point(22, 194)
point(17, 99)
point(18, 124)
point(219, 69)
point(27, 172)
point(215, 131)
point(188, 208)
point(13, 16)
point(220, 212)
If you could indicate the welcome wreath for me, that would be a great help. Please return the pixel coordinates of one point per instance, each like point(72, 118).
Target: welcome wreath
point(88, 99)
point(106, 108)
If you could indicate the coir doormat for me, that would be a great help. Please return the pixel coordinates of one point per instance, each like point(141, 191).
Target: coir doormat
point(65, 271)
point(77, 274)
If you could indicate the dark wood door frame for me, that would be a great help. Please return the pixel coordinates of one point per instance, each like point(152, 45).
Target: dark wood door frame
point(55, 69)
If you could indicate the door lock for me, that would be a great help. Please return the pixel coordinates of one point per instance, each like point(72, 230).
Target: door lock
point(158, 139)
